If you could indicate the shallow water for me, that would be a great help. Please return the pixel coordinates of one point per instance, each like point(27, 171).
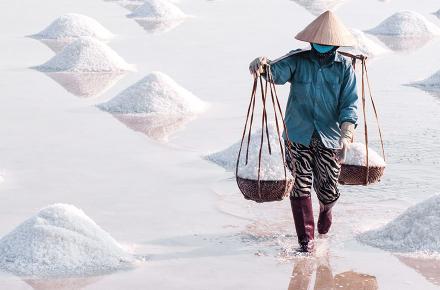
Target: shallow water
point(164, 201)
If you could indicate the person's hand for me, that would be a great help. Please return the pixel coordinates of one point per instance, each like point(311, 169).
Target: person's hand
point(347, 131)
point(256, 67)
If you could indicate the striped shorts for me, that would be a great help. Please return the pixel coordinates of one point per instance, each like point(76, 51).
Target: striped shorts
point(316, 164)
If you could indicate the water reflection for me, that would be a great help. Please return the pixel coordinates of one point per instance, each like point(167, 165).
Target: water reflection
point(62, 284)
point(154, 26)
point(427, 267)
point(325, 280)
point(156, 126)
point(85, 85)
point(404, 44)
point(316, 7)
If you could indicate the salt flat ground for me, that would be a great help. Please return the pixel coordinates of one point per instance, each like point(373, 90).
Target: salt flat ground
point(183, 214)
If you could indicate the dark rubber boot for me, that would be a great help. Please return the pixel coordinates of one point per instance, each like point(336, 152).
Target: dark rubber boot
point(325, 217)
point(304, 223)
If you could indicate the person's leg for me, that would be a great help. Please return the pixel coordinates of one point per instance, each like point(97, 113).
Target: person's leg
point(326, 173)
point(299, 160)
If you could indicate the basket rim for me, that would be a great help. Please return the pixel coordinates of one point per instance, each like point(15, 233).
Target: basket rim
point(255, 180)
point(363, 166)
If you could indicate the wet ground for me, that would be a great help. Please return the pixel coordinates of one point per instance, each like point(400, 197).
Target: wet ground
point(180, 213)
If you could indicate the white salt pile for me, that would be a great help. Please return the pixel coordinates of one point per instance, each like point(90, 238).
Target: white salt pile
point(86, 55)
point(158, 10)
point(437, 13)
point(365, 45)
point(156, 93)
point(415, 230)
point(73, 26)
point(356, 155)
point(432, 83)
point(272, 167)
point(60, 241)
point(406, 24)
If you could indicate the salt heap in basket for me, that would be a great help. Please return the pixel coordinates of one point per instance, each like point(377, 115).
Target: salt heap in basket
point(273, 178)
point(354, 168)
point(268, 180)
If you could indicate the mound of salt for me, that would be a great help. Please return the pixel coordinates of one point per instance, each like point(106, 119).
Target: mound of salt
point(271, 164)
point(437, 13)
point(156, 93)
point(60, 240)
point(406, 24)
point(432, 83)
point(415, 230)
point(157, 10)
point(356, 155)
point(365, 45)
point(86, 55)
point(73, 26)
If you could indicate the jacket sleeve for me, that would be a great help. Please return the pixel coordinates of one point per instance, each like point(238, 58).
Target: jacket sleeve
point(348, 99)
point(283, 68)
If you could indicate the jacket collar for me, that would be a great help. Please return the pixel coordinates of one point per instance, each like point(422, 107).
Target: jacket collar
point(337, 57)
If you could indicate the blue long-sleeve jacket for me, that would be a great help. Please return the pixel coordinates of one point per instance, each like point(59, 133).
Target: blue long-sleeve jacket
point(321, 96)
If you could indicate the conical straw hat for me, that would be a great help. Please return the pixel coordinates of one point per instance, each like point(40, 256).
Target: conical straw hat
point(327, 29)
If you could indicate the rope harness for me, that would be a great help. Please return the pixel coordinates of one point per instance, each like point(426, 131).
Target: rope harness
point(365, 79)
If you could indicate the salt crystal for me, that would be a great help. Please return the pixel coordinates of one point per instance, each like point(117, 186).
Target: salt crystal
point(406, 24)
point(158, 10)
point(61, 241)
point(272, 167)
point(415, 230)
point(155, 93)
point(86, 55)
point(356, 155)
point(73, 26)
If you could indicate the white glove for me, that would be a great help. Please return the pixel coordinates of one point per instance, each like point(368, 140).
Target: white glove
point(256, 67)
point(347, 131)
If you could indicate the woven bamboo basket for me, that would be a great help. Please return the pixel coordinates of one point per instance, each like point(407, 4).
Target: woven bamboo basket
point(357, 175)
point(266, 191)
point(256, 189)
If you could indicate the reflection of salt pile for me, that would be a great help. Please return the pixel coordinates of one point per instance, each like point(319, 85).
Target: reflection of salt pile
point(75, 283)
point(356, 155)
point(60, 240)
point(86, 84)
point(86, 55)
point(365, 45)
point(157, 10)
point(316, 7)
point(406, 23)
point(415, 230)
point(405, 30)
point(74, 26)
point(431, 84)
point(156, 103)
point(271, 164)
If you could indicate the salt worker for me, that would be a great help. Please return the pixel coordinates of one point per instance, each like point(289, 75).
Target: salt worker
point(321, 116)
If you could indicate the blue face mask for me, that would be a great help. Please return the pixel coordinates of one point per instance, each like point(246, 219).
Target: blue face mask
point(322, 48)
